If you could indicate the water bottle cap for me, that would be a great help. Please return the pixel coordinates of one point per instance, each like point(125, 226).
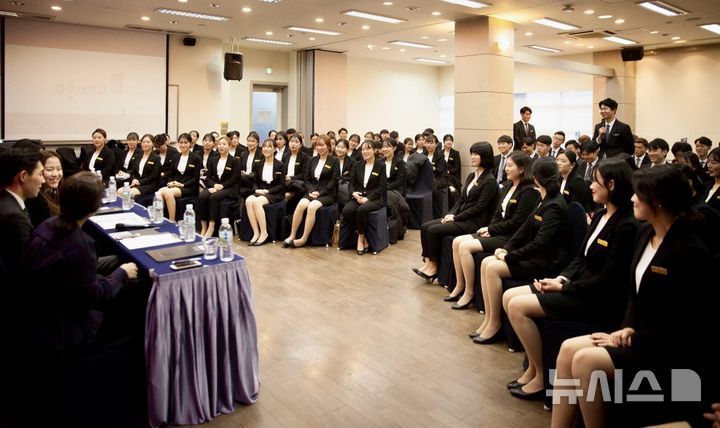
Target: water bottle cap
point(157, 193)
point(126, 184)
point(225, 220)
point(188, 206)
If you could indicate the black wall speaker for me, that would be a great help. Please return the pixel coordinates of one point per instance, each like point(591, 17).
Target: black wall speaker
point(189, 41)
point(632, 54)
point(233, 66)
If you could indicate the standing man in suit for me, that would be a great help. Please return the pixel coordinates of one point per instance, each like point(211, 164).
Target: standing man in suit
point(21, 176)
point(613, 136)
point(522, 127)
point(640, 159)
point(558, 139)
point(505, 145)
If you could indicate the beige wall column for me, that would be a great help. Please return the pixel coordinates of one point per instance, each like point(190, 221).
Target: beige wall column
point(484, 71)
point(621, 88)
point(330, 97)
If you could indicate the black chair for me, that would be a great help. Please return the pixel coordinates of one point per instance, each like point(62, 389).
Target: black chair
point(274, 214)
point(325, 219)
point(377, 232)
point(419, 197)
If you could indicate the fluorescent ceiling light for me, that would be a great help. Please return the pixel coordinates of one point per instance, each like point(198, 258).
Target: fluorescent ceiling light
point(620, 40)
point(715, 28)
point(9, 13)
point(469, 3)
point(195, 15)
point(431, 61)
point(662, 8)
point(555, 24)
point(266, 41)
point(373, 17)
point(313, 30)
point(410, 44)
point(543, 48)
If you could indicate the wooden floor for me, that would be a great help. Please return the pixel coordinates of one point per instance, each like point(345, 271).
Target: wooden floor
point(361, 341)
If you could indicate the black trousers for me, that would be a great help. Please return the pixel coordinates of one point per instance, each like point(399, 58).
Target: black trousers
point(432, 233)
point(356, 215)
point(398, 206)
point(209, 203)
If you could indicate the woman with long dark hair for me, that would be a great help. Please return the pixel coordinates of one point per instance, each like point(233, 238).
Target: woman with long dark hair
point(268, 188)
point(184, 178)
point(47, 203)
point(222, 183)
point(145, 169)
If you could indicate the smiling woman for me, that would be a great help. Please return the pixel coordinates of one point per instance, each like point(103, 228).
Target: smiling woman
point(46, 205)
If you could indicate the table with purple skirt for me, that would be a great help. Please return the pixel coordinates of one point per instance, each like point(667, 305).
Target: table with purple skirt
point(201, 351)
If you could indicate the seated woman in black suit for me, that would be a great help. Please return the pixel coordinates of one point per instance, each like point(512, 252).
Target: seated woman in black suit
point(708, 223)
point(420, 144)
point(268, 189)
point(593, 288)
point(145, 169)
point(518, 199)
point(168, 156)
point(320, 190)
point(208, 149)
point(249, 159)
point(712, 191)
point(440, 175)
point(46, 204)
point(102, 158)
point(346, 165)
point(222, 182)
point(408, 148)
point(452, 162)
point(573, 187)
point(670, 300)
point(395, 172)
point(537, 250)
point(367, 190)
point(473, 209)
point(294, 167)
point(184, 178)
point(132, 142)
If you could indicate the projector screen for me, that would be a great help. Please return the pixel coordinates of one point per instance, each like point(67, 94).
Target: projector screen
point(63, 81)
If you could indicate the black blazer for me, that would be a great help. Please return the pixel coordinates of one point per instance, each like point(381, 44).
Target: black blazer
point(276, 187)
point(204, 162)
point(357, 155)
point(171, 157)
point(619, 141)
point(240, 149)
point(198, 148)
point(542, 239)
point(522, 203)
point(375, 189)
point(675, 283)
point(440, 178)
point(105, 162)
point(519, 133)
point(150, 178)
point(496, 166)
point(257, 158)
point(714, 201)
point(230, 176)
point(602, 275)
point(582, 168)
point(326, 185)
point(644, 163)
point(453, 166)
point(577, 190)
point(191, 177)
point(560, 150)
point(476, 208)
point(301, 163)
point(396, 181)
point(15, 229)
point(347, 167)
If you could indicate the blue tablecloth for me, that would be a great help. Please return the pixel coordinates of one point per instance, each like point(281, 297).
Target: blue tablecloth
point(201, 348)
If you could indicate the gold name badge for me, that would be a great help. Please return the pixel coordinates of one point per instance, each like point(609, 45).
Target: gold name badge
point(602, 242)
point(658, 270)
point(375, 174)
point(538, 218)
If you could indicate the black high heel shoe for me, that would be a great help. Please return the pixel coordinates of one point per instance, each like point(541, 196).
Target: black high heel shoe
point(486, 341)
point(465, 306)
point(263, 242)
point(514, 384)
point(251, 243)
point(452, 298)
point(287, 244)
point(425, 276)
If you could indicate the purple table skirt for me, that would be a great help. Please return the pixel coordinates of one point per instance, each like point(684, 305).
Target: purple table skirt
point(200, 344)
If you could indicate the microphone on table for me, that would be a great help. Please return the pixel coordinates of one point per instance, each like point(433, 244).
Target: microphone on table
point(123, 226)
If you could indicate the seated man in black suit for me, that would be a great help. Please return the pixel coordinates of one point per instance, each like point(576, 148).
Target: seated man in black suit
point(590, 156)
point(640, 159)
point(558, 139)
point(505, 146)
point(522, 128)
point(613, 136)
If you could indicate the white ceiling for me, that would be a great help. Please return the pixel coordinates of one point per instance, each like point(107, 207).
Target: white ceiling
point(420, 26)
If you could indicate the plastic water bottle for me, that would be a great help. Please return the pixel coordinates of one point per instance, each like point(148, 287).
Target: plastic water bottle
point(112, 189)
point(225, 239)
point(189, 219)
point(157, 209)
point(127, 199)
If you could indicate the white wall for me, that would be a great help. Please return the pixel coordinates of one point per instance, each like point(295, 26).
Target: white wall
point(399, 96)
point(676, 94)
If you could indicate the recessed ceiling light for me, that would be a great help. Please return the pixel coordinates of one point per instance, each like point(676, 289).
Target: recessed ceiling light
point(387, 3)
point(555, 24)
point(619, 21)
point(442, 40)
point(579, 44)
point(266, 41)
point(195, 15)
point(386, 48)
point(436, 13)
point(442, 56)
point(246, 10)
point(620, 40)
point(590, 46)
point(675, 38)
point(589, 12)
point(145, 18)
point(312, 30)
point(662, 8)
point(410, 44)
point(319, 20)
point(373, 17)
point(543, 48)
point(469, 3)
point(680, 41)
point(365, 27)
point(268, 33)
point(270, 1)
point(312, 39)
point(56, 8)
point(215, 5)
point(402, 49)
point(654, 32)
point(604, 16)
point(424, 37)
point(371, 47)
point(715, 28)
point(528, 33)
point(431, 61)
point(567, 42)
point(183, 1)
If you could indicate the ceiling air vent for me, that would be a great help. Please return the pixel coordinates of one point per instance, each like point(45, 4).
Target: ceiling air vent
point(156, 30)
point(25, 15)
point(590, 34)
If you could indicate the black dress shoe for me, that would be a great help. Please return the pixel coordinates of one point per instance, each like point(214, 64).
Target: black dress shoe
point(287, 244)
point(420, 273)
point(366, 250)
point(360, 252)
point(252, 243)
point(451, 298)
point(486, 341)
point(263, 242)
point(460, 307)
point(474, 335)
point(514, 384)
point(519, 393)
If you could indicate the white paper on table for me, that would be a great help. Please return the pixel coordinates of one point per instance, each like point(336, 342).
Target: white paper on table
point(147, 241)
point(108, 221)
